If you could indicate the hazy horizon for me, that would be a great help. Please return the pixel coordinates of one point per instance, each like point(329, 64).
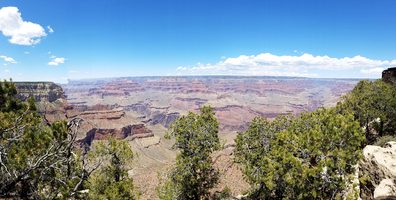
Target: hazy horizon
point(68, 81)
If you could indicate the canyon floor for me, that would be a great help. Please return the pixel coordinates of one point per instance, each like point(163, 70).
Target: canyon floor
point(140, 109)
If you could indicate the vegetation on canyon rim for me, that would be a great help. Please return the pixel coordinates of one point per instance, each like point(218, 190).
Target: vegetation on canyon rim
point(308, 157)
point(39, 160)
point(312, 155)
point(197, 138)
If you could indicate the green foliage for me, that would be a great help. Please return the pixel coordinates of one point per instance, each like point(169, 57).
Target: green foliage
point(308, 157)
point(8, 102)
point(29, 149)
point(223, 194)
point(256, 142)
point(196, 137)
point(381, 141)
point(111, 180)
point(168, 189)
point(373, 104)
point(39, 160)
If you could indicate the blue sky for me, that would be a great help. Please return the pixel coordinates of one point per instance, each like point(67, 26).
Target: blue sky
point(102, 38)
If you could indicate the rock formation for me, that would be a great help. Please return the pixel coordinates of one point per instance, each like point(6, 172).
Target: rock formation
point(101, 114)
point(165, 119)
point(131, 131)
point(50, 98)
point(236, 100)
point(40, 91)
point(389, 75)
point(379, 169)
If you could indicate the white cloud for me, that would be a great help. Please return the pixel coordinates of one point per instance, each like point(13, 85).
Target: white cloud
point(20, 32)
point(8, 59)
point(372, 70)
point(50, 30)
point(305, 65)
point(56, 61)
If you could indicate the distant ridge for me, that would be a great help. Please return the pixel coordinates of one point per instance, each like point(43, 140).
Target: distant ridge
point(192, 77)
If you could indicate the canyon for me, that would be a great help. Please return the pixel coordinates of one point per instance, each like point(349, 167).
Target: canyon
point(141, 109)
point(236, 100)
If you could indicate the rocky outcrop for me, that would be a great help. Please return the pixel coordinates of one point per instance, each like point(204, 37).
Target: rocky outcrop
point(103, 114)
point(378, 168)
point(141, 108)
point(50, 98)
point(386, 189)
point(165, 119)
point(197, 101)
point(153, 115)
point(131, 131)
point(81, 107)
point(389, 75)
point(40, 91)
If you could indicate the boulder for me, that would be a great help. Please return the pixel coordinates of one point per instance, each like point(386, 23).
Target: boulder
point(379, 167)
point(385, 188)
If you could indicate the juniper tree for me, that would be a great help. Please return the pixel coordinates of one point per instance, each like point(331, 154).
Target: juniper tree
point(312, 156)
point(196, 138)
point(38, 159)
point(111, 180)
point(373, 104)
point(35, 155)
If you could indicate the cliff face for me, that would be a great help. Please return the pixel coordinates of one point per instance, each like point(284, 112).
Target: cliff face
point(389, 75)
point(236, 100)
point(132, 131)
point(50, 98)
point(41, 91)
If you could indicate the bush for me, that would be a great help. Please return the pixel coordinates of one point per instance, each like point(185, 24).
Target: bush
point(307, 157)
point(373, 104)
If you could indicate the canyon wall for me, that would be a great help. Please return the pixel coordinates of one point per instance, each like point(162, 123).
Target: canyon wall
point(236, 100)
point(50, 98)
point(40, 91)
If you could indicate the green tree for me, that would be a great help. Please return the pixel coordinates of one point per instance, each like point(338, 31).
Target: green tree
point(33, 154)
point(38, 160)
point(196, 137)
point(253, 144)
point(111, 181)
point(312, 156)
point(373, 104)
